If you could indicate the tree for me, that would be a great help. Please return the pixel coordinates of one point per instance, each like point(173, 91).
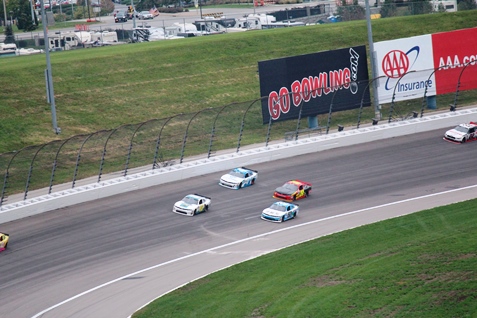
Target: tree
point(24, 18)
point(351, 12)
point(9, 37)
point(466, 5)
point(146, 5)
point(388, 9)
point(441, 8)
point(420, 7)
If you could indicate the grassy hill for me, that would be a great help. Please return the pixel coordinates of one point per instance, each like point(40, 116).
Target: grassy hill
point(421, 265)
point(107, 87)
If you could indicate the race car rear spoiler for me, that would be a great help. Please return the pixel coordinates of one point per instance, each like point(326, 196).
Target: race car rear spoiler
point(203, 196)
point(304, 182)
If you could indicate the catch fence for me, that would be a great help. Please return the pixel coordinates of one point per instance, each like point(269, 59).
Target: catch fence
point(168, 141)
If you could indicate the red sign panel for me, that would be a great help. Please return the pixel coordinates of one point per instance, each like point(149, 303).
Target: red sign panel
point(455, 60)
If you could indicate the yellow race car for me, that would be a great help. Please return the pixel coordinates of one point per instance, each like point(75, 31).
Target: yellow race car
point(3, 241)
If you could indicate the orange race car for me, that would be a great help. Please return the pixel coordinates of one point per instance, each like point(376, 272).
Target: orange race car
point(293, 190)
point(3, 241)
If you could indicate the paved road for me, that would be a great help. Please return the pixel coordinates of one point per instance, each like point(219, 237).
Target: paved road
point(60, 254)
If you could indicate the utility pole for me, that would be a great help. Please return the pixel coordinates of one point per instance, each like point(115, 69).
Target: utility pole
point(50, 94)
point(32, 15)
point(5, 12)
point(133, 14)
point(377, 110)
point(200, 7)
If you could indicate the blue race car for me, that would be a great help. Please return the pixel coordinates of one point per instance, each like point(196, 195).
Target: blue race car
point(280, 212)
point(239, 178)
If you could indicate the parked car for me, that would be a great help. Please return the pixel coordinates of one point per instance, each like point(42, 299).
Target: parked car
point(121, 17)
point(145, 15)
point(132, 14)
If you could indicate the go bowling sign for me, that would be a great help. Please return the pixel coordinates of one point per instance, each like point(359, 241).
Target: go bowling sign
point(307, 85)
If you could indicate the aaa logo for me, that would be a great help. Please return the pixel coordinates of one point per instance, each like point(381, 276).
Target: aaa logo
point(395, 64)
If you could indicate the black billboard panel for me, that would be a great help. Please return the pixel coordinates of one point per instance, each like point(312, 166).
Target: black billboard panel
point(312, 82)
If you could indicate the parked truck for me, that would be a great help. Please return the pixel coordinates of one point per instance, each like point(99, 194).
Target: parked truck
point(63, 41)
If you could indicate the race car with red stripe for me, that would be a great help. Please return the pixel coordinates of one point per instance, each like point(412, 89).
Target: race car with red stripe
point(462, 133)
point(293, 190)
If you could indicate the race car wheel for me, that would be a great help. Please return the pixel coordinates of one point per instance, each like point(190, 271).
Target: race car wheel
point(241, 185)
point(294, 197)
point(195, 212)
point(283, 219)
point(253, 181)
point(463, 140)
point(206, 208)
point(294, 215)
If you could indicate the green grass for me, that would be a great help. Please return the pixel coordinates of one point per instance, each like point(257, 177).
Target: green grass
point(115, 89)
point(108, 87)
point(421, 265)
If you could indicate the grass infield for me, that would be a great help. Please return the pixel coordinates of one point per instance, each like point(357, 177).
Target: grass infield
point(420, 265)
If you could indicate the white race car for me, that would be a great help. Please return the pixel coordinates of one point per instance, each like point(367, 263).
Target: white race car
point(239, 178)
point(192, 204)
point(280, 212)
point(462, 133)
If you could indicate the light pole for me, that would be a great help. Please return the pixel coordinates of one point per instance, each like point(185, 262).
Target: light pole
point(200, 8)
point(48, 73)
point(133, 14)
point(5, 12)
point(377, 111)
point(32, 15)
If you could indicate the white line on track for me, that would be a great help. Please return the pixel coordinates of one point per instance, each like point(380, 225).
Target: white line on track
point(243, 240)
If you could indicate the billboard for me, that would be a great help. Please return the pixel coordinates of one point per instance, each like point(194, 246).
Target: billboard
point(452, 52)
point(306, 85)
point(406, 66)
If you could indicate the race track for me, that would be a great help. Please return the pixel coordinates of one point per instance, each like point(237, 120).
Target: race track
point(60, 254)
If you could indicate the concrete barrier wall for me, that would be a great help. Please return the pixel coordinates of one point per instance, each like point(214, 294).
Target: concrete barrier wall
point(226, 162)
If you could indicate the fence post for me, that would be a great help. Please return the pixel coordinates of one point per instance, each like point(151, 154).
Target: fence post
point(268, 130)
point(331, 106)
point(212, 134)
point(299, 120)
point(454, 106)
point(242, 125)
point(394, 95)
point(55, 163)
point(187, 131)
point(128, 157)
point(27, 185)
point(158, 142)
point(104, 153)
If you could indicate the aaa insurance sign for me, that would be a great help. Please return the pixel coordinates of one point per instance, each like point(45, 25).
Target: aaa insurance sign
point(404, 68)
point(407, 66)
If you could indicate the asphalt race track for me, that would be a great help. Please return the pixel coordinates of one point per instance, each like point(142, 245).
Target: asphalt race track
point(60, 254)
